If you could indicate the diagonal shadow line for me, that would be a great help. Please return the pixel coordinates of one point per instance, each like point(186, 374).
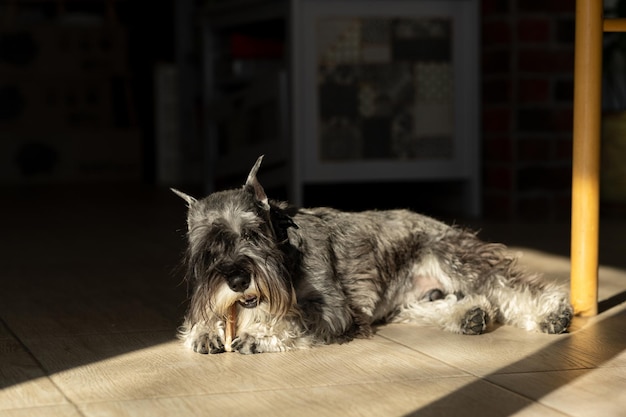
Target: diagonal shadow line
point(611, 302)
point(583, 350)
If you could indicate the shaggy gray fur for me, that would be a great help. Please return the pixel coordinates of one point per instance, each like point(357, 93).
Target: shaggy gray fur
point(302, 277)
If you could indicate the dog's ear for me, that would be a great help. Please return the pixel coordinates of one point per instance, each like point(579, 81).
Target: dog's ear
point(255, 186)
point(189, 199)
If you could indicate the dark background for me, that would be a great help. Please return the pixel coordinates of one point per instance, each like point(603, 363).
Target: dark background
point(78, 103)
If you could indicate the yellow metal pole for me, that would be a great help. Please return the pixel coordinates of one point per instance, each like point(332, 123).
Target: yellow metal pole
point(586, 157)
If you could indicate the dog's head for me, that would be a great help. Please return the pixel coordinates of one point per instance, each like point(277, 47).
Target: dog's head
point(234, 252)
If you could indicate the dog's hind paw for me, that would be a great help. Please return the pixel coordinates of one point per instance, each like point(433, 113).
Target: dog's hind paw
point(474, 322)
point(558, 322)
point(206, 343)
point(245, 344)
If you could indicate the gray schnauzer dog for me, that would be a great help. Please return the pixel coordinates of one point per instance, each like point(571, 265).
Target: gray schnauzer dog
point(304, 277)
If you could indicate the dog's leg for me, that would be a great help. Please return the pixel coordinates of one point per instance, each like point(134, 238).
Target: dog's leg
point(258, 336)
point(203, 337)
point(248, 344)
point(437, 297)
point(521, 299)
point(468, 315)
point(534, 306)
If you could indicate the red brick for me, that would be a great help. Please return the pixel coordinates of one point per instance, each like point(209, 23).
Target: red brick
point(496, 61)
point(498, 149)
point(544, 119)
point(544, 177)
point(534, 149)
point(560, 177)
point(546, 60)
point(498, 177)
point(492, 7)
point(532, 177)
point(534, 90)
point(534, 208)
point(497, 91)
point(565, 30)
point(564, 149)
point(497, 205)
point(534, 119)
point(563, 206)
point(567, 6)
point(496, 119)
point(564, 119)
point(496, 32)
point(533, 30)
point(563, 90)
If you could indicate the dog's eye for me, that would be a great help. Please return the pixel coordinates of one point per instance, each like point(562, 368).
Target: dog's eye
point(247, 236)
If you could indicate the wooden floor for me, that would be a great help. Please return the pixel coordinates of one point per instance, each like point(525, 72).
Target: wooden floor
point(90, 301)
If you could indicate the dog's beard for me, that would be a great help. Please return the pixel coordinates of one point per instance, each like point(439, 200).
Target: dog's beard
point(267, 290)
point(222, 297)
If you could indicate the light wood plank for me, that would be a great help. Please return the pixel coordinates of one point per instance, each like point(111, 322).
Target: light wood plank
point(601, 342)
point(49, 411)
point(584, 392)
point(22, 382)
point(431, 397)
point(484, 354)
point(93, 368)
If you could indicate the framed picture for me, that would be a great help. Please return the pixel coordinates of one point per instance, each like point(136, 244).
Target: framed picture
point(386, 90)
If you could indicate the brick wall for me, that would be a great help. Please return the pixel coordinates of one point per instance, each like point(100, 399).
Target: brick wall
point(527, 89)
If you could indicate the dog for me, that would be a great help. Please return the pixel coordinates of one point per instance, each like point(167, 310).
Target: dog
point(302, 277)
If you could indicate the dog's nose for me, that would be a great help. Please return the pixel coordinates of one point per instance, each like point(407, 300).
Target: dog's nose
point(239, 282)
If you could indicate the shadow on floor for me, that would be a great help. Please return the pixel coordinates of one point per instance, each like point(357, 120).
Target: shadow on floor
point(593, 345)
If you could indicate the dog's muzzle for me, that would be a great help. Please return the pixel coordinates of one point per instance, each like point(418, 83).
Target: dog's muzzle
point(239, 283)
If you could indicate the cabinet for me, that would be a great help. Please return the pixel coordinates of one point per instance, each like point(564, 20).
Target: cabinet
point(345, 91)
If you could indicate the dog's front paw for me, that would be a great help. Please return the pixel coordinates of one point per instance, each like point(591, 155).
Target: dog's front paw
point(557, 322)
point(207, 343)
point(245, 344)
point(475, 321)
